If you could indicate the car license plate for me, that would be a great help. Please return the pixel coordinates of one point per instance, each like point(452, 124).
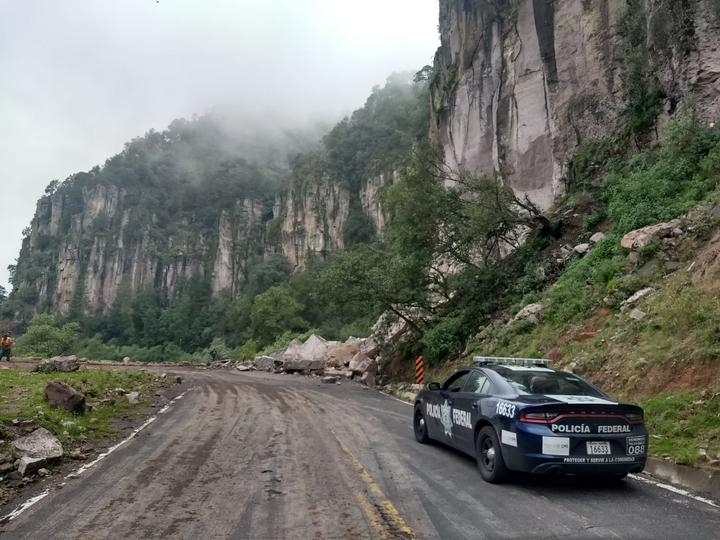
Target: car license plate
point(598, 448)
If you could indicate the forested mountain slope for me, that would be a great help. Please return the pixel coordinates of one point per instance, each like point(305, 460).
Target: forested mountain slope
point(444, 203)
point(197, 201)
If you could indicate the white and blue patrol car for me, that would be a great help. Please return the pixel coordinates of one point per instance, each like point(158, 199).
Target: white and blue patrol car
point(516, 414)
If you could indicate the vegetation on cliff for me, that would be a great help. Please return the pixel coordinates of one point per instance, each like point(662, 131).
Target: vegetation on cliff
point(161, 202)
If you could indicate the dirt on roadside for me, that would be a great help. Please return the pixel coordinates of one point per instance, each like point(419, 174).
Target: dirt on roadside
point(15, 488)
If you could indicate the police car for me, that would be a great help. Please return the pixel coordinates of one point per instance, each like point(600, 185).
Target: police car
point(518, 414)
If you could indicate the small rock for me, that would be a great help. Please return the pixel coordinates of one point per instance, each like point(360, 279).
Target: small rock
point(125, 360)
point(244, 367)
point(29, 465)
point(6, 467)
point(566, 252)
point(163, 376)
point(597, 237)
point(582, 249)
point(133, 398)
point(43, 472)
point(329, 379)
point(178, 380)
point(636, 314)
point(530, 312)
point(632, 300)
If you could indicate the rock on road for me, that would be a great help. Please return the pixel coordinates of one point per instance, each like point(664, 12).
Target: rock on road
point(263, 456)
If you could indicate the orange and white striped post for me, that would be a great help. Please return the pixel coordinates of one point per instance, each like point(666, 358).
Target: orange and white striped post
point(419, 370)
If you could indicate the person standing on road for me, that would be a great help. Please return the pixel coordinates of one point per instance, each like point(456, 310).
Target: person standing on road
point(6, 344)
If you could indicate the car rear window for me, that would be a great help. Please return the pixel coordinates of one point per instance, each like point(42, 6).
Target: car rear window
point(544, 382)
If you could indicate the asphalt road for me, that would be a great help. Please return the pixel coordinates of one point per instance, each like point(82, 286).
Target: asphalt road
point(262, 456)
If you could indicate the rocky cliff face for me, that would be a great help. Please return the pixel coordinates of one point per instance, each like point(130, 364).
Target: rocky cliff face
point(313, 217)
point(521, 83)
point(81, 251)
point(196, 205)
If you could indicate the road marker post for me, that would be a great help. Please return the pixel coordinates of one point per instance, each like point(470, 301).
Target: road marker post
point(419, 370)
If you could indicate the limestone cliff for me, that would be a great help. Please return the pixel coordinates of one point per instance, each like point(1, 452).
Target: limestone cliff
point(519, 84)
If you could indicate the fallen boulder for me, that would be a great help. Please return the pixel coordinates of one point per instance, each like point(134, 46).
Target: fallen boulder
point(582, 249)
point(300, 366)
point(361, 364)
point(632, 300)
point(37, 449)
point(597, 237)
point(245, 367)
point(340, 373)
point(63, 396)
point(340, 355)
point(63, 364)
point(269, 363)
point(329, 380)
point(368, 379)
point(531, 312)
point(639, 238)
point(369, 347)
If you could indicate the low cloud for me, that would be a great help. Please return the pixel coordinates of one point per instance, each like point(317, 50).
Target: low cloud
point(81, 78)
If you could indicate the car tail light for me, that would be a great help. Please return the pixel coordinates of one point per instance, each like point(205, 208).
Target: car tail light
point(634, 418)
point(537, 417)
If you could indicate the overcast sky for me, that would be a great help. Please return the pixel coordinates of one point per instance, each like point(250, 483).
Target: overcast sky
point(81, 77)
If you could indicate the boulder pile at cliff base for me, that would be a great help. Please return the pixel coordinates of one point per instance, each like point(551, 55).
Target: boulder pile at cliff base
point(355, 359)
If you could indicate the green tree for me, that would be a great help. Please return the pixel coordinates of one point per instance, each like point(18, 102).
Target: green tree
point(275, 312)
point(46, 336)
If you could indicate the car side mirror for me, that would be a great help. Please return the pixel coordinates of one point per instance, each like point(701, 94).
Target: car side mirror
point(433, 386)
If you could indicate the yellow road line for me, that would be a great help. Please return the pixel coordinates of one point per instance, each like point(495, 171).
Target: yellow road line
point(371, 515)
point(389, 512)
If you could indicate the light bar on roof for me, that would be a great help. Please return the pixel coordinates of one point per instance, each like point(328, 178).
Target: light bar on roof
point(511, 361)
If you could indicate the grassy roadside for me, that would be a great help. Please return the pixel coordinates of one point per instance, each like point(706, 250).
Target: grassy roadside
point(685, 426)
point(22, 401)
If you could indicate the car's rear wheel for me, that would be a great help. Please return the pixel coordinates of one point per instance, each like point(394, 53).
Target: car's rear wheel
point(489, 456)
point(420, 426)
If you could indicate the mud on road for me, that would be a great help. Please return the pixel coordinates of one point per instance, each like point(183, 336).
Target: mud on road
point(263, 456)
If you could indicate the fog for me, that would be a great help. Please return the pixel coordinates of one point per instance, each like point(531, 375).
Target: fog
point(81, 77)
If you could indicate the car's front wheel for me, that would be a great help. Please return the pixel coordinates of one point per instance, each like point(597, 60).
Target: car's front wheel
point(420, 426)
point(489, 456)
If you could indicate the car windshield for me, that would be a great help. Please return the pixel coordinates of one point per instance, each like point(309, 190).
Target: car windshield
point(541, 381)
